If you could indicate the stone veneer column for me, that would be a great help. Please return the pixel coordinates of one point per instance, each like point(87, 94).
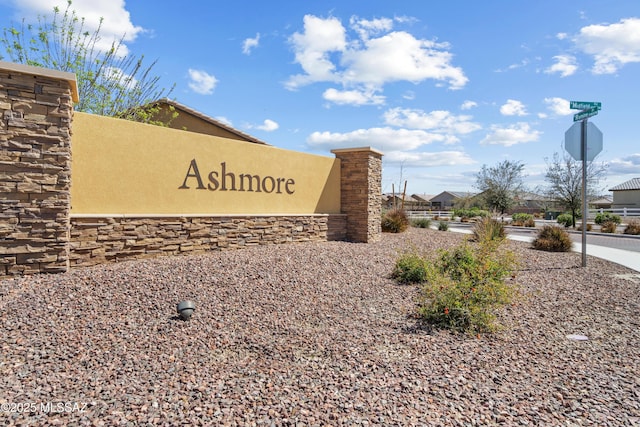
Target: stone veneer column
point(36, 110)
point(361, 192)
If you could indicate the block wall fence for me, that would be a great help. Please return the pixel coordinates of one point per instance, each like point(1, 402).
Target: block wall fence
point(39, 233)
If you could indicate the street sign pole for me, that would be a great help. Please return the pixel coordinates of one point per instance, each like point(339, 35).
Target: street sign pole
point(589, 109)
point(583, 147)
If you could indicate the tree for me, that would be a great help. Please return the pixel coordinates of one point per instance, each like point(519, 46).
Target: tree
point(500, 184)
point(109, 83)
point(564, 176)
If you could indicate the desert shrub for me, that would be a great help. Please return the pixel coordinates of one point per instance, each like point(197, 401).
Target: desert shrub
point(421, 223)
point(470, 213)
point(553, 239)
point(443, 226)
point(633, 227)
point(521, 217)
point(608, 227)
point(410, 268)
point(589, 227)
point(465, 288)
point(394, 221)
point(601, 218)
point(565, 219)
point(487, 229)
point(530, 223)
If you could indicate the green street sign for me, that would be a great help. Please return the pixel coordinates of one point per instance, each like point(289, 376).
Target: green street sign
point(584, 105)
point(585, 114)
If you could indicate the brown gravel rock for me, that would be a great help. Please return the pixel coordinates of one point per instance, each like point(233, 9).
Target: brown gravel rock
point(315, 334)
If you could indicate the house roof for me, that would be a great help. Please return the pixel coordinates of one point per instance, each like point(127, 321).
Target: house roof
point(632, 184)
point(183, 108)
point(605, 200)
point(527, 195)
point(422, 197)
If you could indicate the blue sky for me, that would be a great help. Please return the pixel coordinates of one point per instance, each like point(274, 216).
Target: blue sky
point(440, 87)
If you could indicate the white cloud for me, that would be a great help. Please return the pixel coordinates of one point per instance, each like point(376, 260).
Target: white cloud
point(224, 120)
point(366, 28)
point(513, 108)
point(428, 159)
point(565, 65)
point(312, 49)
point(558, 106)
point(409, 95)
point(626, 165)
point(436, 121)
point(250, 43)
point(467, 105)
point(201, 82)
point(383, 139)
point(515, 66)
point(611, 45)
point(400, 56)
point(116, 23)
point(268, 126)
point(353, 97)
point(562, 36)
point(511, 135)
point(371, 58)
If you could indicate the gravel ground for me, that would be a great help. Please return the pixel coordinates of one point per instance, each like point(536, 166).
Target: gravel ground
point(315, 334)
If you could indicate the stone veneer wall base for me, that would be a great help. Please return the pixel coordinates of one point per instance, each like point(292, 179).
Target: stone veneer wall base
point(97, 240)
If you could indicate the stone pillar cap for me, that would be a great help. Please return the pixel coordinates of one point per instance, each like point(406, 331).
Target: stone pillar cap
point(44, 72)
point(353, 150)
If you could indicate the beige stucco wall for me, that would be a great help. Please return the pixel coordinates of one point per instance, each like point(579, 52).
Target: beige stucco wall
point(121, 167)
point(626, 198)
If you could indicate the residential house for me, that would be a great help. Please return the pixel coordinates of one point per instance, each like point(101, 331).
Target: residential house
point(447, 199)
point(193, 121)
point(627, 194)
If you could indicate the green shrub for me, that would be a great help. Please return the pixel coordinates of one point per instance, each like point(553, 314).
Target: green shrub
point(470, 213)
point(443, 226)
point(421, 223)
point(601, 218)
point(466, 287)
point(395, 221)
point(609, 227)
point(410, 268)
point(633, 227)
point(565, 219)
point(487, 229)
point(521, 217)
point(553, 239)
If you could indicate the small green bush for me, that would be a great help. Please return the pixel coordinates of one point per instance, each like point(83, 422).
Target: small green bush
point(553, 239)
point(521, 217)
point(487, 229)
point(421, 223)
point(470, 213)
point(633, 227)
point(443, 226)
point(395, 221)
point(601, 218)
point(465, 288)
point(565, 219)
point(609, 227)
point(410, 268)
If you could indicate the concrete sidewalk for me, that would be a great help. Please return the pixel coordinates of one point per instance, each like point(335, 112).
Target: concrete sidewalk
point(628, 259)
